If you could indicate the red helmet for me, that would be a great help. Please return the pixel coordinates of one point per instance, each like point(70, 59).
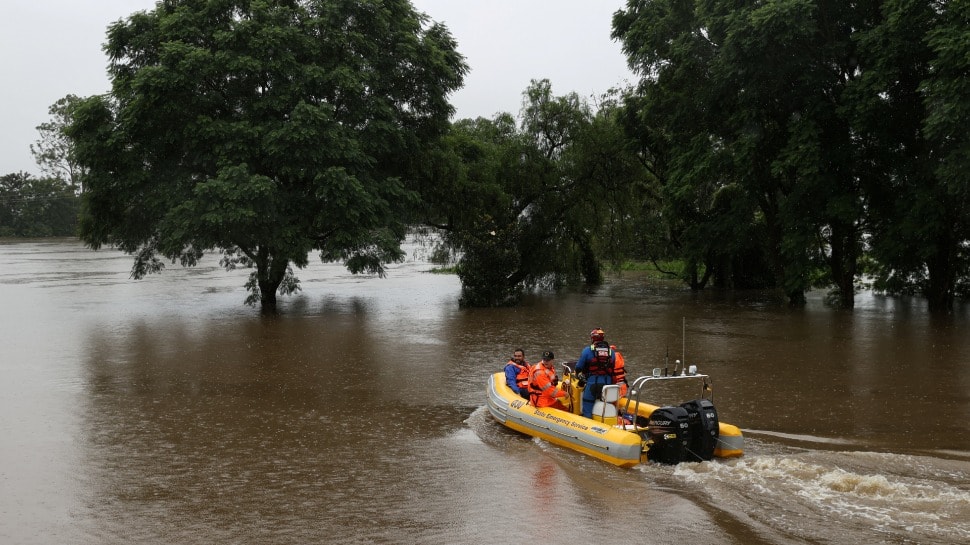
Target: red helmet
point(597, 335)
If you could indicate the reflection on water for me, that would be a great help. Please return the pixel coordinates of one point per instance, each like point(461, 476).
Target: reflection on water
point(164, 411)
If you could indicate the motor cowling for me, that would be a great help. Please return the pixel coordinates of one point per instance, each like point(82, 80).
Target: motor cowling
point(703, 425)
point(669, 431)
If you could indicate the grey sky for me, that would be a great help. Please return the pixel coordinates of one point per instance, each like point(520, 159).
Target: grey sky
point(52, 48)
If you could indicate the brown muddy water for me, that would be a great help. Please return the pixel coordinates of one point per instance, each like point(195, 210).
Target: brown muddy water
point(165, 411)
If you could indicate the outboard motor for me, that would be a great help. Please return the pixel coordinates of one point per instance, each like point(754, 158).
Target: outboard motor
point(670, 433)
point(703, 424)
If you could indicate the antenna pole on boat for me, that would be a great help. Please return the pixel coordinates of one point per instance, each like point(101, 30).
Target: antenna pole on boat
point(666, 359)
point(683, 340)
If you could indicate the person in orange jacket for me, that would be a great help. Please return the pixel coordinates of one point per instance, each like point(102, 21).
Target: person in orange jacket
point(619, 371)
point(517, 373)
point(543, 383)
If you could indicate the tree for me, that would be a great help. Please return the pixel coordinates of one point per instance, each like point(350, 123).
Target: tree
point(53, 151)
point(820, 169)
point(36, 207)
point(539, 203)
point(470, 198)
point(679, 117)
point(615, 210)
point(747, 106)
point(560, 214)
point(911, 113)
point(266, 130)
point(948, 115)
point(506, 199)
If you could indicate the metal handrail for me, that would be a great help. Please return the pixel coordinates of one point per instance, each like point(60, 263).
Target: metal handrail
point(637, 386)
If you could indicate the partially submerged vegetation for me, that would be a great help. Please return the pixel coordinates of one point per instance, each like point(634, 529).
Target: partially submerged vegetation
point(782, 145)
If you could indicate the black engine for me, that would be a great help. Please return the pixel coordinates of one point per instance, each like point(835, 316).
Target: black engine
point(683, 434)
point(703, 424)
point(670, 434)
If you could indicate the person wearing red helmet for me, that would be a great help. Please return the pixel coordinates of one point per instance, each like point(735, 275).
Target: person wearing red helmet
point(595, 367)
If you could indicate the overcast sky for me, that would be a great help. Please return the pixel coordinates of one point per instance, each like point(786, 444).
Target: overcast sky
point(52, 48)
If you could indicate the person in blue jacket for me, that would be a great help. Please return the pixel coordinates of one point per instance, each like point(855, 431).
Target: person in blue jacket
point(595, 368)
point(517, 373)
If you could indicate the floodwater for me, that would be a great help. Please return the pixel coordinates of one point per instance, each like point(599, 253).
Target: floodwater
point(165, 411)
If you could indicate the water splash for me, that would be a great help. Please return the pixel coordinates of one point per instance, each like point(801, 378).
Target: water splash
point(843, 496)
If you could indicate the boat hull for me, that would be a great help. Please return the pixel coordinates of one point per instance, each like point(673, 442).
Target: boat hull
point(600, 440)
point(596, 439)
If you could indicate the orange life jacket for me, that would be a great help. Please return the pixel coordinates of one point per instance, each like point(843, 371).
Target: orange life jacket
point(602, 360)
point(522, 378)
point(542, 390)
point(619, 372)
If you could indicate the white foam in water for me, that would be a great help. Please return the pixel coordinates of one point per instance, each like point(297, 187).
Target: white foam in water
point(922, 502)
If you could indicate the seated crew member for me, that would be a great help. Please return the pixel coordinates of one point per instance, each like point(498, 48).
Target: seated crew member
point(543, 383)
point(517, 373)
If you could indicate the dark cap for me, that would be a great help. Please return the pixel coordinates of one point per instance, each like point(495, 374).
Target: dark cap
point(548, 355)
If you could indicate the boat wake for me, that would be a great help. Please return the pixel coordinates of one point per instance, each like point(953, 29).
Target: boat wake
point(840, 497)
point(784, 492)
point(800, 438)
point(490, 432)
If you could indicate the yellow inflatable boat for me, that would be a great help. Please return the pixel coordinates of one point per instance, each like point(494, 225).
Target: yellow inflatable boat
point(630, 430)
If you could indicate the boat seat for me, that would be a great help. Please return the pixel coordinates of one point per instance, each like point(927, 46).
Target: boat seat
point(610, 393)
point(604, 409)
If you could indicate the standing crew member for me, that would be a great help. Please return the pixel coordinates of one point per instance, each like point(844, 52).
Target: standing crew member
point(517, 373)
point(595, 367)
point(543, 383)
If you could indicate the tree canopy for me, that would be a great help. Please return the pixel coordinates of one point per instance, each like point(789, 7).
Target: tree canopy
point(54, 151)
point(266, 130)
point(804, 133)
point(788, 144)
point(538, 201)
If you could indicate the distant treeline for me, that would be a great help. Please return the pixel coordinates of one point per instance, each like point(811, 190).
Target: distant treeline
point(37, 207)
point(784, 145)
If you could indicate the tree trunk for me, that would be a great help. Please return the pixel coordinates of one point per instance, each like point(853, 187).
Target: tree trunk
point(591, 266)
point(942, 275)
point(270, 271)
point(843, 263)
point(267, 302)
point(796, 298)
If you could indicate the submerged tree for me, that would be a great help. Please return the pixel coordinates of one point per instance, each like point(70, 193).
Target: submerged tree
point(532, 204)
point(748, 100)
point(817, 129)
point(470, 200)
point(266, 130)
point(912, 111)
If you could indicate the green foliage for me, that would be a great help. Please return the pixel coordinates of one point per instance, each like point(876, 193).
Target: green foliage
point(767, 145)
point(479, 197)
point(265, 129)
point(539, 205)
point(911, 111)
point(489, 253)
point(827, 122)
point(36, 207)
point(618, 198)
point(695, 135)
point(53, 151)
